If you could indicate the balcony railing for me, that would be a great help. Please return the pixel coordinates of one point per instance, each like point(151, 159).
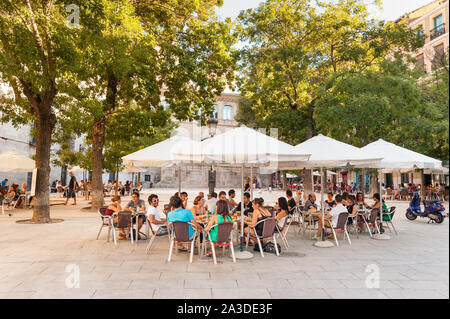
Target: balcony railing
point(437, 31)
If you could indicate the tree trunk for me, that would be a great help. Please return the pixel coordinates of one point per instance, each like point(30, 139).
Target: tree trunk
point(310, 130)
point(98, 141)
point(45, 123)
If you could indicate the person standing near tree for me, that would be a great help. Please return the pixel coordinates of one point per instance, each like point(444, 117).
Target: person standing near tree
point(72, 187)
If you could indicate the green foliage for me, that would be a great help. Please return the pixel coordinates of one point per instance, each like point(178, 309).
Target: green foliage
point(245, 113)
point(297, 52)
point(135, 55)
point(394, 103)
point(37, 52)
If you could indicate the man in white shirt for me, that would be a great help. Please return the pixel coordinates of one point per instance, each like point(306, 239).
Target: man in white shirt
point(158, 224)
point(211, 203)
point(332, 216)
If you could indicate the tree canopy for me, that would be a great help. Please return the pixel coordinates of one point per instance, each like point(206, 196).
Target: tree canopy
point(297, 52)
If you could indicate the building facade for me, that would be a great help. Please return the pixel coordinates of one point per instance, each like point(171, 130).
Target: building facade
point(432, 21)
point(226, 109)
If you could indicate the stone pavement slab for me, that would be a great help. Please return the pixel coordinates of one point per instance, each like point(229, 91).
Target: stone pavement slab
point(36, 262)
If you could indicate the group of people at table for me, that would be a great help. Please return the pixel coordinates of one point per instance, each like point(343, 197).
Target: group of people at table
point(345, 203)
point(13, 192)
point(208, 212)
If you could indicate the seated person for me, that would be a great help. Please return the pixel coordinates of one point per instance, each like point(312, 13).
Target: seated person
point(199, 210)
point(331, 218)
point(178, 213)
point(222, 195)
point(248, 207)
point(345, 196)
point(310, 204)
point(330, 202)
point(221, 217)
point(158, 224)
point(360, 201)
point(184, 198)
point(3, 192)
point(211, 203)
point(116, 207)
point(10, 195)
point(259, 213)
point(137, 205)
point(376, 199)
point(231, 202)
point(282, 208)
point(291, 202)
point(21, 191)
point(352, 209)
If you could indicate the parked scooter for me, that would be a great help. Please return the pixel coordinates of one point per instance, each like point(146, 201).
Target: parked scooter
point(434, 209)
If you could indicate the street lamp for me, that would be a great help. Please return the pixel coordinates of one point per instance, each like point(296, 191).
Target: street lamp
point(212, 127)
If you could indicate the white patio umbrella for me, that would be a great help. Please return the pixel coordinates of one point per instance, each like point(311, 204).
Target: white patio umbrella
point(162, 154)
point(14, 161)
point(330, 153)
point(397, 158)
point(245, 147)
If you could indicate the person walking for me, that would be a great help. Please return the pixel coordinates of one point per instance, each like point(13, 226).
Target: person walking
point(71, 191)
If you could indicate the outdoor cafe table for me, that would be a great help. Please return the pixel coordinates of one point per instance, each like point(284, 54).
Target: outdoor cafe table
point(311, 221)
point(137, 215)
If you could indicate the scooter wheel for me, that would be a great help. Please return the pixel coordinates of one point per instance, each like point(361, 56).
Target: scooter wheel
point(439, 218)
point(411, 216)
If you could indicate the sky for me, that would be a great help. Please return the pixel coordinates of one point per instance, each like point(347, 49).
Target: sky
point(392, 9)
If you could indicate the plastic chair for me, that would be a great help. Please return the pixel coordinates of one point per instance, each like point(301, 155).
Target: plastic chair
point(153, 235)
point(124, 222)
point(106, 221)
point(180, 236)
point(372, 220)
point(341, 227)
point(9, 203)
point(224, 239)
point(268, 231)
point(387, 218)
point(282, 231)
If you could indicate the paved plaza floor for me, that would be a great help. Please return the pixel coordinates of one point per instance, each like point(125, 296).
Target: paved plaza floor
point(41, 261)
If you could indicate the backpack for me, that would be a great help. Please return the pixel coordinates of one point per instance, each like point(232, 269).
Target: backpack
point(268, 247)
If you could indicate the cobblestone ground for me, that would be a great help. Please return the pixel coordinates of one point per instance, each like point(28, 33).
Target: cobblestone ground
point(34, 260)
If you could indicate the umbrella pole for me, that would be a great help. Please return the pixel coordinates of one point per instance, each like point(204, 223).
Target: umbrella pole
point(241, 254)
point(241, 247)
point(251, 182)
point(382, 236)
point(322, 208)
point(323, 243)
point(179, 180)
